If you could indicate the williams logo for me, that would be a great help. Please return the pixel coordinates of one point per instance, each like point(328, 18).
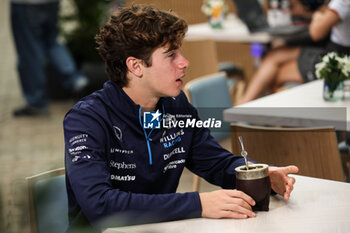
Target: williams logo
point(151, 120)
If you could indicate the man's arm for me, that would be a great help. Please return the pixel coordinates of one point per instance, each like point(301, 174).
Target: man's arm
point(231, 203)
point(89, 179)
point(217, 165)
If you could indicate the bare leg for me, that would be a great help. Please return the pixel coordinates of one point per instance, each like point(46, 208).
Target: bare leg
point(265, 77)
point(288, 72)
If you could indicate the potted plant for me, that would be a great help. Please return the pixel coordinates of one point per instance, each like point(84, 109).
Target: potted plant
point(215, 10)
point(334, 69)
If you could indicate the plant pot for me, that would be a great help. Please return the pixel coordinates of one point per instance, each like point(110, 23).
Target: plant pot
point(333, 92)
point(215, 23)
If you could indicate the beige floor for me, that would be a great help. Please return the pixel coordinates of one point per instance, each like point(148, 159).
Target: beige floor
point(29, 146)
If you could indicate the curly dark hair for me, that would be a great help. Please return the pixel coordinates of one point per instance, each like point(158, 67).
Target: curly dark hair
point(137, 31)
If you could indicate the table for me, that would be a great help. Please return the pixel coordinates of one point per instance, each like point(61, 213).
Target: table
point(316, 205)
point(234, 30)
point(300, 106)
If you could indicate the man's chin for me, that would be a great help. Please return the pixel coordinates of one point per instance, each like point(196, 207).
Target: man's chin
point(173, 94)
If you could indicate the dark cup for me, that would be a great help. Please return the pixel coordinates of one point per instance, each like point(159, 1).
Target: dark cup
point(255, 182)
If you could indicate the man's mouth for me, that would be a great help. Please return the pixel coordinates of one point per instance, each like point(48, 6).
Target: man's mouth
point(179, 81)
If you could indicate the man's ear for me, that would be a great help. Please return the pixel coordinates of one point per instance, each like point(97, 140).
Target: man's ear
point(134, 66)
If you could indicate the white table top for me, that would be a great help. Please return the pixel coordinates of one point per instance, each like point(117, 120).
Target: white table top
point(300, 106)
point(316, 205)
point(234, 30)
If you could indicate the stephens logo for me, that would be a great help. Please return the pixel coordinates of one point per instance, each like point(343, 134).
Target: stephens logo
point(151, 120)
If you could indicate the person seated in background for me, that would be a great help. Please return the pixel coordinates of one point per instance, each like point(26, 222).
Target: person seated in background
point(118, 168)
point(296, 64)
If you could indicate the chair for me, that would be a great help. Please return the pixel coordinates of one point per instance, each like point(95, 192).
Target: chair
point(48, 203)
point(210, 95)
point(313, 150)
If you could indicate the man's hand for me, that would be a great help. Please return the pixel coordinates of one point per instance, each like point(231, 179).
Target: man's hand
point(226, 204)
point(281, 183)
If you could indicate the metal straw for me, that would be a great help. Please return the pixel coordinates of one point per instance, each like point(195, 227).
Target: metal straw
point(244, 153)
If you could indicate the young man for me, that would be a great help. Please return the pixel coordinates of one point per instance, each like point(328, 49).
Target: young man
point(120, 170)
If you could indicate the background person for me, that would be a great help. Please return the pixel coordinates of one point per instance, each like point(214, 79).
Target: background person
point(34, 28)
point(119, 170)
point(296, 64)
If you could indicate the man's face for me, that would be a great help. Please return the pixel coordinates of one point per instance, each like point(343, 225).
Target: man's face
point(164, 77)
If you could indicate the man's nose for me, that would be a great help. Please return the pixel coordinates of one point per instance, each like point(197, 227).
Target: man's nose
point(184, 63)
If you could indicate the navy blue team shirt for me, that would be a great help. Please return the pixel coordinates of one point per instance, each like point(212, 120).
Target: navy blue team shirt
point(120, 171)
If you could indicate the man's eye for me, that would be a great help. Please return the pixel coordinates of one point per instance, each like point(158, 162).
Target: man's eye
point(171, 55)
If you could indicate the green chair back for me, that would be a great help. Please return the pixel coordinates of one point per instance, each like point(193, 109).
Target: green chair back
point(210, 95)
point(48, 203)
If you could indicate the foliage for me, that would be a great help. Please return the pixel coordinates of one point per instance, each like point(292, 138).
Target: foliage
point(210, 7)
point(333, 69)
point(87, 18)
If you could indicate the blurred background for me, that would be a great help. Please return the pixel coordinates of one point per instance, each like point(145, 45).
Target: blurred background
point(31, 145)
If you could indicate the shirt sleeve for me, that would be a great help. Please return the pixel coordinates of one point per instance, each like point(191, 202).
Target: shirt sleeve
point(89, 180)
point(341, 7)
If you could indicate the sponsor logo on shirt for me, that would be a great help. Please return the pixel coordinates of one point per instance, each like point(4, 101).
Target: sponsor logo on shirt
point(177, 150)
point(121, 151)
point(123, 178)
point(77, 157)
point(78, 138)
point(76, 150)
point(122, 165)
point(118, 133)
point(172, 139)
point(173, 164)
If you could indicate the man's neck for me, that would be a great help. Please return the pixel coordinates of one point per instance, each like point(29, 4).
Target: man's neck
point(147, 102)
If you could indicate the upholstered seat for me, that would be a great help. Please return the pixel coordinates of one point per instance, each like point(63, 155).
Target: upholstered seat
point(210, 95)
